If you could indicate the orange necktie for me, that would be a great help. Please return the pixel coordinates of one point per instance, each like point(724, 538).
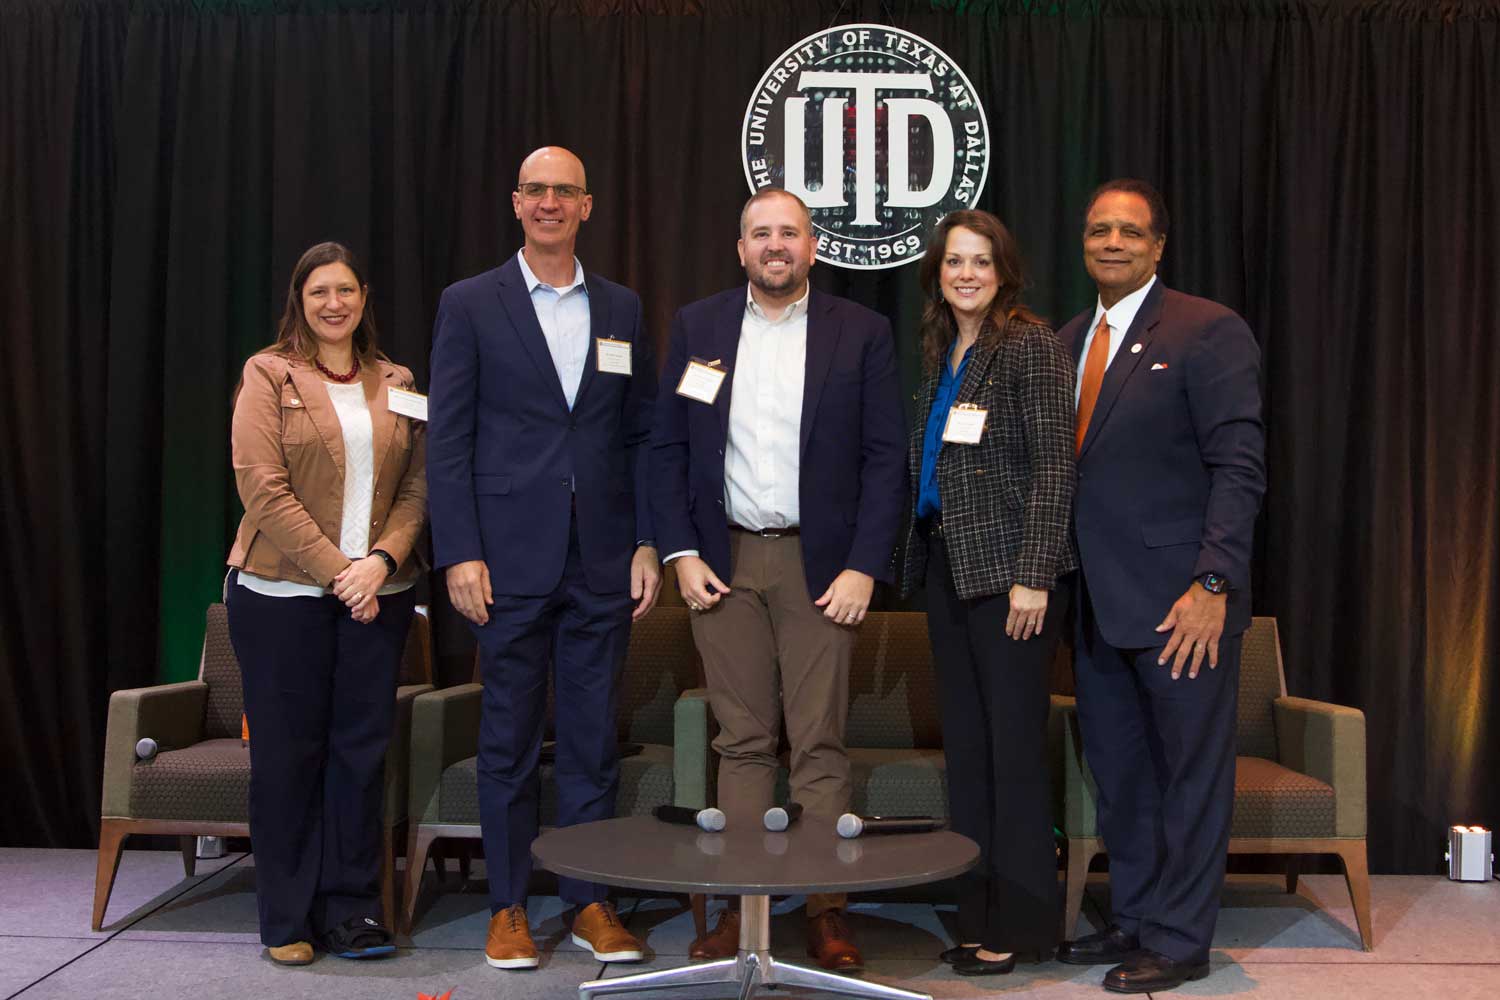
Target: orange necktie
point(1093, 378)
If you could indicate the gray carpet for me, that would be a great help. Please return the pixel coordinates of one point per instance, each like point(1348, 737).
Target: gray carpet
point(167, 936)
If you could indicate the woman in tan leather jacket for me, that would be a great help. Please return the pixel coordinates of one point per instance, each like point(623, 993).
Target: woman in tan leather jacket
point(334, 488)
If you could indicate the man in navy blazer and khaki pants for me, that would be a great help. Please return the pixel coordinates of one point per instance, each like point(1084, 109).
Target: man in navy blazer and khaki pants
point(778, 477)
point(1170, 476)
point(543, 384)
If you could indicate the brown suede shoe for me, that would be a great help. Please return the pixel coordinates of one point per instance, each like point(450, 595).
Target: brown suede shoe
point(296, 953)
point(509, 944)
point(721, 942)
point(597, 928)
point(830, 941)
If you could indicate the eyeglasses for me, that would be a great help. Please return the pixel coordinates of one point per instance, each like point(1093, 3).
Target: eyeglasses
point(533, 191)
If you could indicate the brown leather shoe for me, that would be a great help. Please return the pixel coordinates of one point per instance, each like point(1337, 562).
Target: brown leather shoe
point(509, 944)
point(597, 928)
point(721, 942)
point(830, 941)
point(296, 953)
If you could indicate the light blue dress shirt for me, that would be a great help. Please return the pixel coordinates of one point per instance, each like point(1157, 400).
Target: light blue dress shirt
point(563, 314)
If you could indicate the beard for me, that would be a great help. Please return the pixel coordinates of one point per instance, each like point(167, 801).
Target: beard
point(789, 280)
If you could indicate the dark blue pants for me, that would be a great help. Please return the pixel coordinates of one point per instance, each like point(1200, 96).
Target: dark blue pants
point(581, 637)
point(1162, 753)
point(993, 696)
point(320, 696)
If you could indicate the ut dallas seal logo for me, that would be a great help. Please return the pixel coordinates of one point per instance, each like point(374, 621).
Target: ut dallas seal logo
point(877, 130)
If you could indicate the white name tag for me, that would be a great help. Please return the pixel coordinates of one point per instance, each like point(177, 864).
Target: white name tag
point(965, 424)
point(407, 403)
point(701, 381)
point(614, 356)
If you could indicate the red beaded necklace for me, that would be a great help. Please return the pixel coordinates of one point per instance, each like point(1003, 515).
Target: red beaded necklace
point(353, 372)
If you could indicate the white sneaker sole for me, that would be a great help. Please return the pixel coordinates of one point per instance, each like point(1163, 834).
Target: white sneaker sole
point(632, 955)
point(512, 963)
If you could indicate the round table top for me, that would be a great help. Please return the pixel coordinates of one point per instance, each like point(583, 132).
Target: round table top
point(642, 852)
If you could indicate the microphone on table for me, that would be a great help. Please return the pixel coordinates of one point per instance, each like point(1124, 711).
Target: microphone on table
point(777, 818)
point(707, 820)
point(851, 826)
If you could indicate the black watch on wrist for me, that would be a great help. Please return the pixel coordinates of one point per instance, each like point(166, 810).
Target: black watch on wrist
point(385, 557)
point(1214, 583)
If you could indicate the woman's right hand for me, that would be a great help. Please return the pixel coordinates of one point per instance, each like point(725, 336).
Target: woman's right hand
point(366, 610)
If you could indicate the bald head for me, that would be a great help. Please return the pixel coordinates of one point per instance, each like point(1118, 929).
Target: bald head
point(552, 165)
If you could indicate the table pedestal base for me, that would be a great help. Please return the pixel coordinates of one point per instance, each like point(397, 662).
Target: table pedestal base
point(750, 970)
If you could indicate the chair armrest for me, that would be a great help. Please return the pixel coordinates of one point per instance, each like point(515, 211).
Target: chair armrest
point(171, 714)
point(1327, 742)
point(690, 749)
point(398, 753)
point(444, 730)
point(1073, 792)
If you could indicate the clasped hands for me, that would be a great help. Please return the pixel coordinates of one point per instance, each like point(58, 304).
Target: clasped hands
point(357, 586)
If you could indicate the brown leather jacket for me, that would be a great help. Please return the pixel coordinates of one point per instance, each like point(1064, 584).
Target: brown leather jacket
point(287, 447)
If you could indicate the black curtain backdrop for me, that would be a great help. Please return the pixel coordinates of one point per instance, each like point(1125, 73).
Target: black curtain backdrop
point(1331, 169)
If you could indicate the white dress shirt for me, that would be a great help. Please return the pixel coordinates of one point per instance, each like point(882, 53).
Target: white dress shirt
point(1120, 316)
point(763, 456)
point(563, 314)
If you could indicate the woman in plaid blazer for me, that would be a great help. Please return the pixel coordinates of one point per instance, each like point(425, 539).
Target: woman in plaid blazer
point(991, 464)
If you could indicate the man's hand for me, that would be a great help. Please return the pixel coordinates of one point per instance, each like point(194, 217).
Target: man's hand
point(1027, 609)
point(848, 597)
point(695, 579)
point(360, 580)
point(469, 590)
point(645, 581)
point(1196, 622)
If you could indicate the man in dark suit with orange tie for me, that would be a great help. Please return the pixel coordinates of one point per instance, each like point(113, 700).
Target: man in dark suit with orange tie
point(1170, 476)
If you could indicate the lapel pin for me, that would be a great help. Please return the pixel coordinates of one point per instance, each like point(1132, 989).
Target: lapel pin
point(1135, 348)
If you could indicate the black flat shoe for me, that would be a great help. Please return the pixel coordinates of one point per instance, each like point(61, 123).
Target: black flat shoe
point(1110, 946)
point(976, 966)
point(1151, 971)
point(958, 953)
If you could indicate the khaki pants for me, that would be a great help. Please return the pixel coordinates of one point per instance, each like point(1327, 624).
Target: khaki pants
point(770, 655)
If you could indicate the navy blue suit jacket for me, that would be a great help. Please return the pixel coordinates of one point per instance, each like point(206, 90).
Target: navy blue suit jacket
point(852, 479)
point(504, 451)
point(1172, 468)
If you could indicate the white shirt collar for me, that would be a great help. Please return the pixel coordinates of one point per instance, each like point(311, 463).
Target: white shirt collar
point(791, 312)
point(1122, 313)
point(533, 282)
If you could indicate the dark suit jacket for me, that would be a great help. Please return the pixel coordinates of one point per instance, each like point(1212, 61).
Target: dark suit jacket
point(1172, 468)
point(504, 450)
point(853, 472)
point(1008, 500)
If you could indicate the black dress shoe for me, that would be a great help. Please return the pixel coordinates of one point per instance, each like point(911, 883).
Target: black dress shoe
point(976, 966)
point(958, 953)
point(1151, 971)
point(1109, 947)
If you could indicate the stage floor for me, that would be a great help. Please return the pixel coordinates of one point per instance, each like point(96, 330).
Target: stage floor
point(195, 939)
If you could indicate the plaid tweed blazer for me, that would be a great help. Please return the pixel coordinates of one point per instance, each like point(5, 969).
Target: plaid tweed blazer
point(1008, 500)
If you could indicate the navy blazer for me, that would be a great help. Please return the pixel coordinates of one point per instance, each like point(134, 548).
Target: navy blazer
point(504, 451)
point(852, 479)
point(1172, 468)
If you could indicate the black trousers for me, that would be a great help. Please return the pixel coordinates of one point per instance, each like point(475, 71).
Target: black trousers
point(993, 699)
point(320, 696)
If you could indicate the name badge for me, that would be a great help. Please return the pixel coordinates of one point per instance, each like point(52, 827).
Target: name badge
point(613, 356)
point(407, 403)
point(701, 380)
point(965, 424)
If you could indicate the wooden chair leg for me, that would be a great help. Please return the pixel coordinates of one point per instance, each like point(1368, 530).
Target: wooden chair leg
point(388, 879)
point(465, 860)
point(699, 902)
point(112, 834)
point(418, 844)
point(439, 860)
point(1355, 858)
point(189, 847)
point(1293, 869)
point(1080, 853)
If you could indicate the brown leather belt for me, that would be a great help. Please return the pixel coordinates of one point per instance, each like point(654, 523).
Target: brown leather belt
point(766, 532)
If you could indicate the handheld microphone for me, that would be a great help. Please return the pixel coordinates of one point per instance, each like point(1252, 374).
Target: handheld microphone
point(778, 819)
point(707, 820)
point(145, 748)
point(851, 826)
